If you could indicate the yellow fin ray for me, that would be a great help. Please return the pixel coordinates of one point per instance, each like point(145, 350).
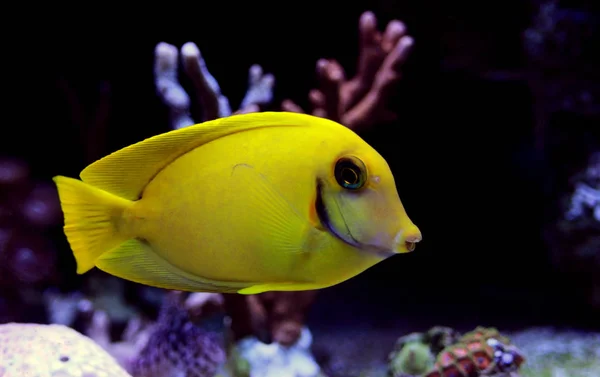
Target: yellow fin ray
point(135, 260)
point(285, 229)
point(126, 172)
point(278, 287)
point(91, 218)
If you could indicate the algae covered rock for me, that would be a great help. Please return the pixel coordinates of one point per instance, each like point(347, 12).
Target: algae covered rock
point(415, 358)
point(444, 352)
point(414, 354)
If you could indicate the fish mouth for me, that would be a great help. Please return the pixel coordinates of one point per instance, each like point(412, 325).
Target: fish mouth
point(406, 243)
point(346, 236)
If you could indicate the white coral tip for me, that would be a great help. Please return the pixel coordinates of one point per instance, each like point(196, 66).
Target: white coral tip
point(189, 50)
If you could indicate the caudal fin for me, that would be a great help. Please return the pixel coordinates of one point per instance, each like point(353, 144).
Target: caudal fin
point(91, 220)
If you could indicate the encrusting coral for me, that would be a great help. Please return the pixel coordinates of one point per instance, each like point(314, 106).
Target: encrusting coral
point(36, 350)
point(442, 352)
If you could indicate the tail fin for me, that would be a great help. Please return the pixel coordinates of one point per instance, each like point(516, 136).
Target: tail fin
point(91, 220)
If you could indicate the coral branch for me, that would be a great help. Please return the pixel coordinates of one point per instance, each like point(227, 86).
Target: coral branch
point(260, 90)
point(361, 102)
point(289, 105)
point(214, 104)
point(168, 87)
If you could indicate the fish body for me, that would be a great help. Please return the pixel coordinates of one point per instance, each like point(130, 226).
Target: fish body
point(248, 203)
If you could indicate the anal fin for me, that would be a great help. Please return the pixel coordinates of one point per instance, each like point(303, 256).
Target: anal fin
point(135, 260)
point(279, 287)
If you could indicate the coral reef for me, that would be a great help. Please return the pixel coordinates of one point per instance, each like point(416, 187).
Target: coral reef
point(175, 343)
point(414, 353)
point(266, 334)
point(52, 350)
point(481, 352)
point(358, 103)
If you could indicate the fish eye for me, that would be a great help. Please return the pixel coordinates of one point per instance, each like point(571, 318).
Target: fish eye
point(350, 173)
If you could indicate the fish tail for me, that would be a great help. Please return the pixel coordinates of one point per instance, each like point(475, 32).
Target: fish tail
point(92, 217)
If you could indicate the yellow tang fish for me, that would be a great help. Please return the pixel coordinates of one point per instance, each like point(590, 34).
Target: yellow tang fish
point(250, 203)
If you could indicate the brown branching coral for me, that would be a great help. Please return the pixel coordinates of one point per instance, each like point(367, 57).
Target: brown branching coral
point(360, 102)
point(286, 314)
point(270, 316)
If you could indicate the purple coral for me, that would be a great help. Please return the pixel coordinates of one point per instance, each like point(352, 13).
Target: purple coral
point(178, 346)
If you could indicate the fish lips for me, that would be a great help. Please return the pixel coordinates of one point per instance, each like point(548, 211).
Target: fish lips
point(345, 236)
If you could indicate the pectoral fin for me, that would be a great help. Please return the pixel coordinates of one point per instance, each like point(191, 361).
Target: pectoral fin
point(282, 226)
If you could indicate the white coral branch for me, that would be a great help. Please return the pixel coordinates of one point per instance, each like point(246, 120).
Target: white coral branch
point(584, 196)
point(260, 88)
point(168, 87)
point(213, 103)
point(195, 67)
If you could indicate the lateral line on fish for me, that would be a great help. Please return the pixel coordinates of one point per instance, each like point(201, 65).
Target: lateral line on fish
point(193, 146)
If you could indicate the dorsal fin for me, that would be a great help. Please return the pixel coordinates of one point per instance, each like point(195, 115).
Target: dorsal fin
point(127, 171)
